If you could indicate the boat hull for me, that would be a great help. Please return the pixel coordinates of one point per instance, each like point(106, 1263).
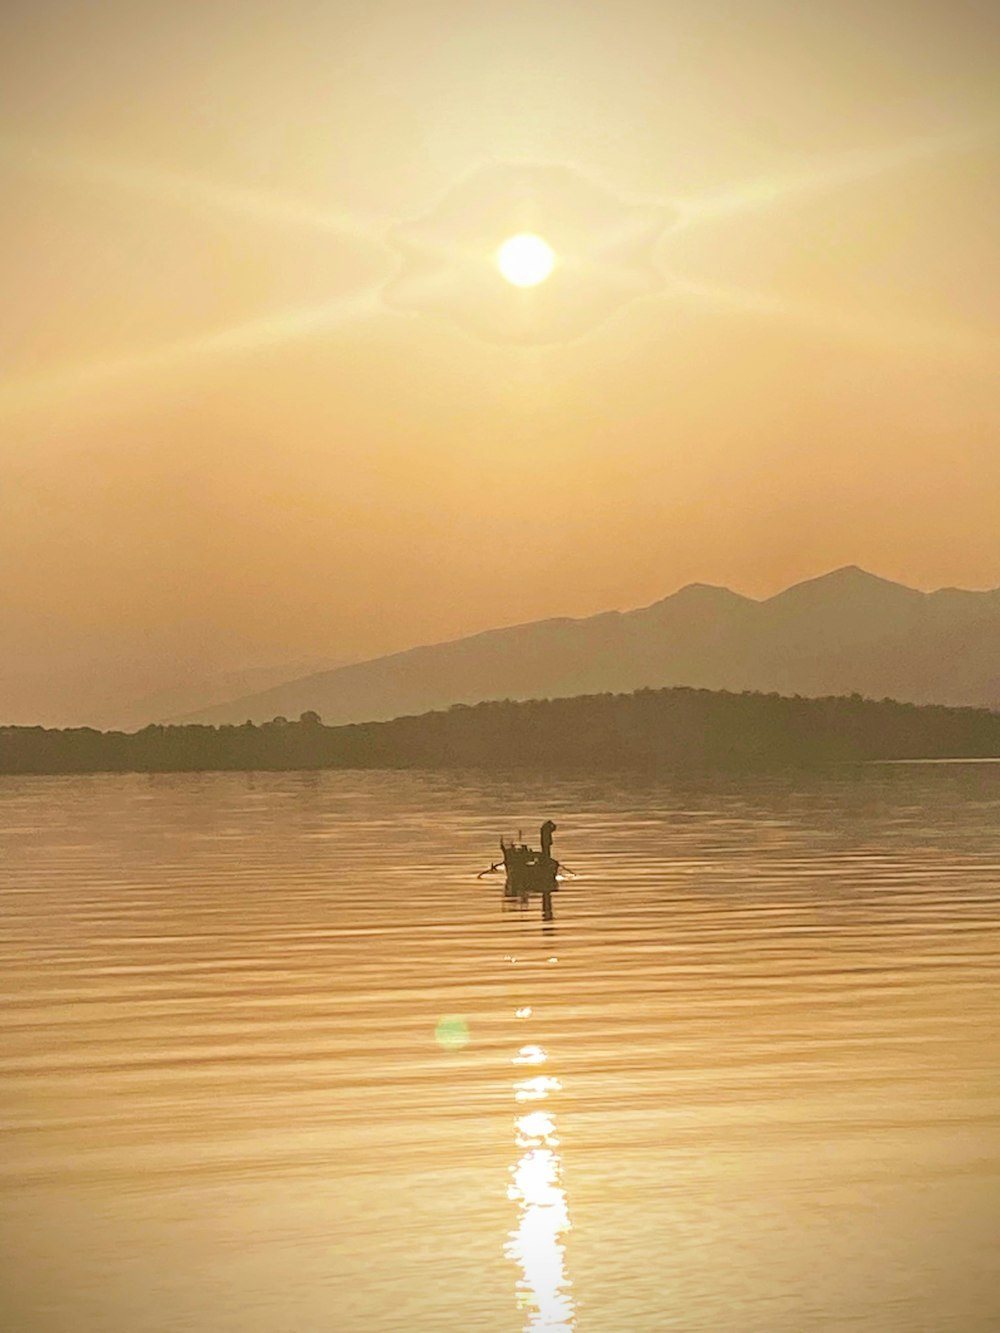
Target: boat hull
point(530, 872)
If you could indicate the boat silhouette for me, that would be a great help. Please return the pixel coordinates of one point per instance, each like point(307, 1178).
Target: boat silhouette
point(530, 870)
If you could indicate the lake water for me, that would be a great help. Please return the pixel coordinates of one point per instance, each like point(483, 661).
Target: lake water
point(274, 1061)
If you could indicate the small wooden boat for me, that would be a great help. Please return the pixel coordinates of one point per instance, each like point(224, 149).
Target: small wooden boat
point(528, 870)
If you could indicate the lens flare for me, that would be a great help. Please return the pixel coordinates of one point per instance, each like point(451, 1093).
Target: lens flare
point(181, 190)
point(452, 1032)
point(250, 336)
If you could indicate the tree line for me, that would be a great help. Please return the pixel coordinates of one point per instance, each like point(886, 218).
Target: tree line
point(668, 728)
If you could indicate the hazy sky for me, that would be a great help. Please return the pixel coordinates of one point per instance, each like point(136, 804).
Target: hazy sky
point(219, 446)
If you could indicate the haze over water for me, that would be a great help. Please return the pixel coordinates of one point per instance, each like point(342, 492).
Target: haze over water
point(745, 1080)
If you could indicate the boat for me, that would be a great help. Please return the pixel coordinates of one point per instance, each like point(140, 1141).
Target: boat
point(529, 870)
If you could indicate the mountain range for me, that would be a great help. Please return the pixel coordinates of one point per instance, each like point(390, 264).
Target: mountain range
point(207, 692)
point(842, 633)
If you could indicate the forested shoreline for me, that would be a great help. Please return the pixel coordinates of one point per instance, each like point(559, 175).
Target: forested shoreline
point(668, 728)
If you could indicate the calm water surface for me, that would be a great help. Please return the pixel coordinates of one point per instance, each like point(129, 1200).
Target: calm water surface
point(274, 1061)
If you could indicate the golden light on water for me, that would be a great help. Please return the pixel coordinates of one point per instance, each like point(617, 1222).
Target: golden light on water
point(536, 1089)
point(543, 1216)
point(530, 1055)
point(526, 260)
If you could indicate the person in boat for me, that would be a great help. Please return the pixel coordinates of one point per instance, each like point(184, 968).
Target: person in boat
point(548, 828)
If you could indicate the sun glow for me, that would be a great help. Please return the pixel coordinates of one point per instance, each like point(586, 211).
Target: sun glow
point(525, 260)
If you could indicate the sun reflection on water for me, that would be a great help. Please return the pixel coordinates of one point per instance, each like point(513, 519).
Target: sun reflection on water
point(530, 1055)
point(543, 1216)
point(534, 1089)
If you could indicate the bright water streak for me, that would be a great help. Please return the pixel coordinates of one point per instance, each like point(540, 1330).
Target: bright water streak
point(273, 1059)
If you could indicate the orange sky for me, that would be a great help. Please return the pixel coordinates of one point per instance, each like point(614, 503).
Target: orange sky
point(219, 446)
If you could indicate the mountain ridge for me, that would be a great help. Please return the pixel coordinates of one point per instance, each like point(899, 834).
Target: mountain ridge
point(842, 632)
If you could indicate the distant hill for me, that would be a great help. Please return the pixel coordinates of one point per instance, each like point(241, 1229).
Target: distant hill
point(672, 729)
point(100, 693)
point(205, 693)
point(845, 632)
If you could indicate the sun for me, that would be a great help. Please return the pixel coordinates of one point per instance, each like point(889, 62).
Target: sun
point(525, 260)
